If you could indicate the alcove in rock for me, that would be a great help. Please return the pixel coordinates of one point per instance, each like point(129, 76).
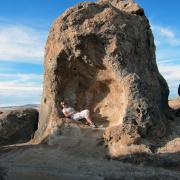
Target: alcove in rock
point(101, 56)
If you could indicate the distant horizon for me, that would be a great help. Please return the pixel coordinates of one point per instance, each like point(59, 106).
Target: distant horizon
point(24, 30)
point(38, 104)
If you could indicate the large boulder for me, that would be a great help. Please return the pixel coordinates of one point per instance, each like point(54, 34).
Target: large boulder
point(17, 126)
point(101, 56)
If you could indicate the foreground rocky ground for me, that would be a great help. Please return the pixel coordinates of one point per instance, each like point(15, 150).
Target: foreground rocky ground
point(78, 152)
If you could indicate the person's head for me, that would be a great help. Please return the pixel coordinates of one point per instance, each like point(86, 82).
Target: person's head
point(63, 104)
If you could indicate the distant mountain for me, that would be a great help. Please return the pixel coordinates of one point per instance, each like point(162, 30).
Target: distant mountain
point(34, 106)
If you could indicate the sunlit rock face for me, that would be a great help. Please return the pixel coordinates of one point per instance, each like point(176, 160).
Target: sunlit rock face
point(101, 56)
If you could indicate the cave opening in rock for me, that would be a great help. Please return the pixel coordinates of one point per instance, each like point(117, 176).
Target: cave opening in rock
point(88, 82)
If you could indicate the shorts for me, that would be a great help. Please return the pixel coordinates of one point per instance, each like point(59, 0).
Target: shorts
point(80, 115)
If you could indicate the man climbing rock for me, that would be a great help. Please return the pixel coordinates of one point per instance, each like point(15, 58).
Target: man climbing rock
point(71, 113)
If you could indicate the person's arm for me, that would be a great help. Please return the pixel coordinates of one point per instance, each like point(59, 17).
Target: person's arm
point(69, 112)
point(66, 114)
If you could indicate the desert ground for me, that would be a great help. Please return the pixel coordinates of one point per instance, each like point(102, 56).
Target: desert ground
point(80, 153)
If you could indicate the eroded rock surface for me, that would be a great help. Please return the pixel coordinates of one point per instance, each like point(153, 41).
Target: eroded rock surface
point(17, 126)
point(101, 56)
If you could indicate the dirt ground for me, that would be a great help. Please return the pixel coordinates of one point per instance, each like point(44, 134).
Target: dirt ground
point(79, 153)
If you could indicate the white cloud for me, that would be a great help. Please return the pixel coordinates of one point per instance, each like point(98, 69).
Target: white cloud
point(20, 43)
point(12, 85)
point(168, 55)
point(166, 32)
point(171, 73)
point(20, 89)
point(15, 97)
point(26, 82)
point(165, 35)
point(5, 69)
point(21, 76)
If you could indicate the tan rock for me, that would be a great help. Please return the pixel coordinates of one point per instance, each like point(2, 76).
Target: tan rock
point(101, 56)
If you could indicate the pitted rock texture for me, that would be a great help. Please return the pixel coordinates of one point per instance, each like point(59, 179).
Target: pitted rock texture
point(17, 126)
point(101, 56)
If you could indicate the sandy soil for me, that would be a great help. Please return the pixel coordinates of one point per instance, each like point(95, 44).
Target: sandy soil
point(79, 153)
point(78, 159)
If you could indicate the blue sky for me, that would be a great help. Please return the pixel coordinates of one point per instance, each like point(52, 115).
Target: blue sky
point(24, 26)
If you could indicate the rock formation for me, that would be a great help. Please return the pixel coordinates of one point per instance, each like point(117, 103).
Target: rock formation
point(17, 126)
point(101, 56)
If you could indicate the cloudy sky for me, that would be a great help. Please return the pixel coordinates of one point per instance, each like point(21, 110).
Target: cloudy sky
point(24, 26)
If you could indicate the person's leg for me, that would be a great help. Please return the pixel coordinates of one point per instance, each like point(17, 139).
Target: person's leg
point(89, 120)
point(87, 116)
point(77, 116)
point(84, 114)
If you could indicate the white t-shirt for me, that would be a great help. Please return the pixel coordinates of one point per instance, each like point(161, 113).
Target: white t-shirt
point(68, 110)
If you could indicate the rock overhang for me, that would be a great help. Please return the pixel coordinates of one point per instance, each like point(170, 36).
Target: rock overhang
point(102, 56)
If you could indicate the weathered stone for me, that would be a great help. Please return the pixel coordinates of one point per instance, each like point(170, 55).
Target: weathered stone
point(17, 126)
point(101, 56)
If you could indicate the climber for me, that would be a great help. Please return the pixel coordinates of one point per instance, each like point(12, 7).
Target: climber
point(71, 113)
point(179, 90)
